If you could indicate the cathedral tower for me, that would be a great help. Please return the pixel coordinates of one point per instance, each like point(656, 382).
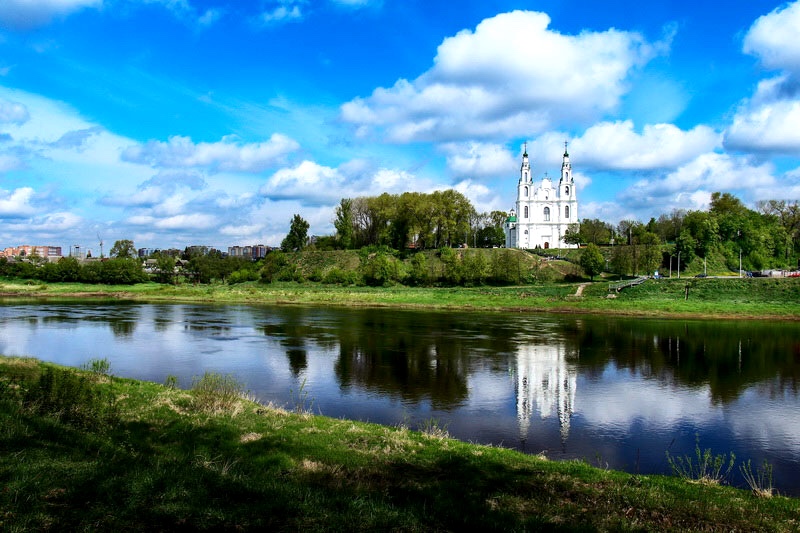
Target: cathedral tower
point(542, 215)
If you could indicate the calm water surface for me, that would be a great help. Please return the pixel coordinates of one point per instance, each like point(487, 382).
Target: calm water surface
point(615, 392)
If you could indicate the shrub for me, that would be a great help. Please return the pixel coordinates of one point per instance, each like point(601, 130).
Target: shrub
point(216, 393)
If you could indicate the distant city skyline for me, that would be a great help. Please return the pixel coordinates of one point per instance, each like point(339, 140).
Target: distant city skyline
point(212, 122)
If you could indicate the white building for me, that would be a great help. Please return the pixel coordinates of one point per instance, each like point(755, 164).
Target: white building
point(542, 214)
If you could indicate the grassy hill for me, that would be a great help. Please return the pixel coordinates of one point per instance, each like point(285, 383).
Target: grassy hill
point(82, 450)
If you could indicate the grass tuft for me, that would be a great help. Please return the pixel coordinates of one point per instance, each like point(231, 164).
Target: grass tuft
point(760, 481)
point(705, 468)
point(215, 393)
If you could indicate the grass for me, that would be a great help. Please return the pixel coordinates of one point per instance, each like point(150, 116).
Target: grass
point(165, 463)
point(708, 298)
point(705, 467)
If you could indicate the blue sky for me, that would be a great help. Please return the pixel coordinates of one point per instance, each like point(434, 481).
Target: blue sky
point(179, 122)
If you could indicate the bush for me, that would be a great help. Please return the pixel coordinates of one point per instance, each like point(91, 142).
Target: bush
point(339, 276)
point(71, 398)
point(215, 393)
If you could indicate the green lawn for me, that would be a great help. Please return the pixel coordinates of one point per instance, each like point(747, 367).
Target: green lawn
point(81, 450)
point(709, 298)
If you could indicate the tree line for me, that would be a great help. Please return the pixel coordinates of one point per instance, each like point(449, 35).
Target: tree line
point(766, 237)
point(415, 220)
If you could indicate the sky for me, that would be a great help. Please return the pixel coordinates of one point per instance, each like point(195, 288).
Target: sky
point(212, 122)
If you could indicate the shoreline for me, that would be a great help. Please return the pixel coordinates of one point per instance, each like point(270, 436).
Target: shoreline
point(553, 298)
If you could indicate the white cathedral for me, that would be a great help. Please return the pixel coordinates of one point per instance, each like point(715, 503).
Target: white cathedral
point(542, 214)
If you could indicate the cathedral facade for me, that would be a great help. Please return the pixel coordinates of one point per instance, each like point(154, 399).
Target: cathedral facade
point(543, 212)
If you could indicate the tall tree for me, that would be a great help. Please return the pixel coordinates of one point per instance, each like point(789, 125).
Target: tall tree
point(344, 223)
point(592, 260)
point(123, 249)
point(297, 237)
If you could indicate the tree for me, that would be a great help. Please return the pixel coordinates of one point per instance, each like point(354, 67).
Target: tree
point(592, 260)
point(297, 236)
point(573, 234)
point(344, 223)
point(123, 249)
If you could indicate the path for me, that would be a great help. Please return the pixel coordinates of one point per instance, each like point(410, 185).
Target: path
point(579, 292)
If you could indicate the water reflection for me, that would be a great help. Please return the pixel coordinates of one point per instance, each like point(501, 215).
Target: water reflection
point(623, 389)
point(545, 386)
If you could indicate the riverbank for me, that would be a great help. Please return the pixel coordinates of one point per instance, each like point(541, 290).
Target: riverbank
point(733, 298)
point(85, 450)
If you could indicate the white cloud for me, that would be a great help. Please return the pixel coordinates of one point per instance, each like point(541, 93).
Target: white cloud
point(25, 14)
point(511, 76)
point(17, 203)
point(478, 160)
point(615, 145)
point(13, 112)
point(773, 38)
point(691, 184)
point(307, 180)
point(194, 221)
point(768, 121)
point(482, 198)
point(282, 14)
point(226, 155)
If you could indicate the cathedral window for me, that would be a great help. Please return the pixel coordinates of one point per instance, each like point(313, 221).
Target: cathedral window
point(566, 211)
point(566, 190)
point(526, 192)
point(546, 214)
point(526, 212)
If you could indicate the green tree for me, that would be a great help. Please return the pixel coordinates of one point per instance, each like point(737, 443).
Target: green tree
point(344, 224)
point(419, 273)
point(297, 237)
point(123, 249)
point(592, 260)
point(573, 235)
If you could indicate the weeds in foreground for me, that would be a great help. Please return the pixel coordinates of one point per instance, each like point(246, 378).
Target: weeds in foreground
point(432, 428)
point(705, 468)
point(71, 398)
point(760, 481)
point(101, 367)
point(216, 393)
point(301, 401)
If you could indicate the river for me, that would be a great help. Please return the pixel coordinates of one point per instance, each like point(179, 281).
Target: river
point(616, 392)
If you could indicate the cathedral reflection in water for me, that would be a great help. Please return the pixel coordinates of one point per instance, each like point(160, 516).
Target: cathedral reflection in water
point(545, 385)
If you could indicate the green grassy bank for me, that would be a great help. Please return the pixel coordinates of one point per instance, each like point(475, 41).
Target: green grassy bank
point(707, 298)
point(81, 450)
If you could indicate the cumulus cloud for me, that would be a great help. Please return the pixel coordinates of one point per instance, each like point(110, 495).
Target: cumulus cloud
point(773, 38)
point(478, 160)
point(17, 203)
point(691, 184)
point(318, 185)
point(616, 146)
point(767, 122)
point(512, 75)
point(26, 14)
point(226, 155)
point(282, 11)
point(307, 180)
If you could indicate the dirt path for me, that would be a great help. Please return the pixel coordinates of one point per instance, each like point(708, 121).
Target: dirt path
point(579, 292)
